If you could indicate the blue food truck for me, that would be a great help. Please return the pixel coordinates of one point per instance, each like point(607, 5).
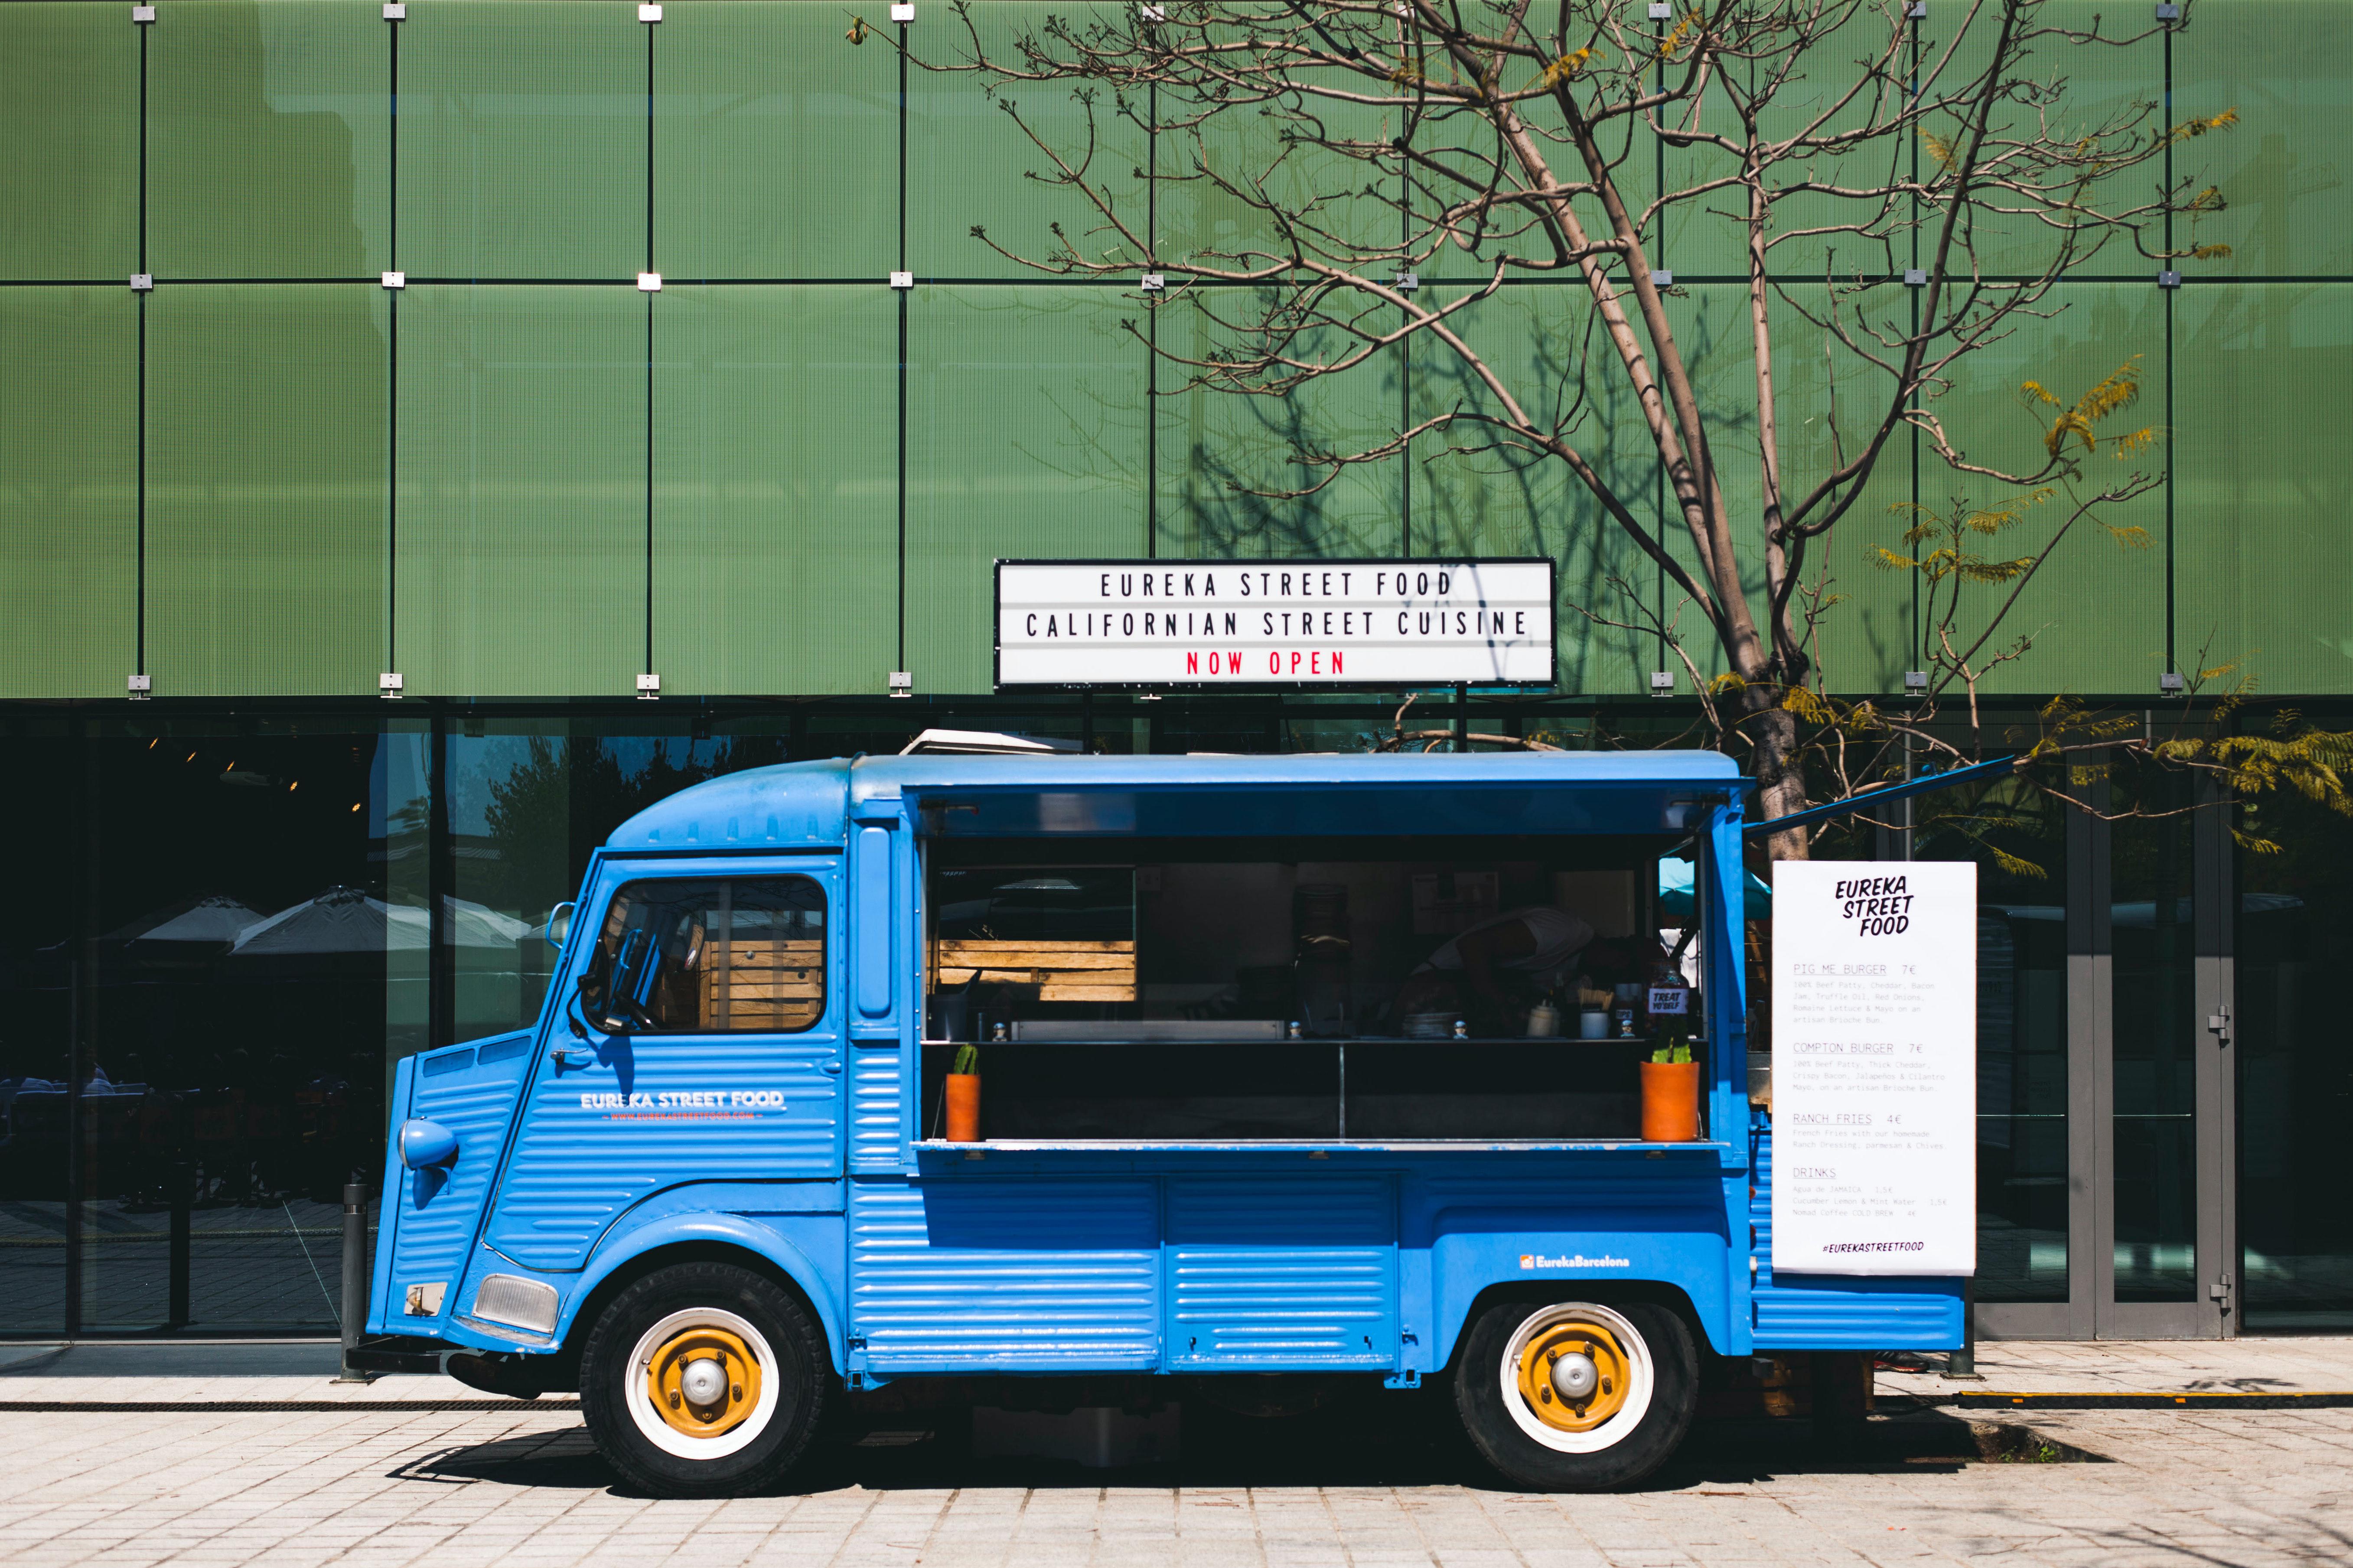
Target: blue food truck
point(1264, 1094)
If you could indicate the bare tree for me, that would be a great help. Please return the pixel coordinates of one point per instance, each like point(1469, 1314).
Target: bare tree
point(1909, 197)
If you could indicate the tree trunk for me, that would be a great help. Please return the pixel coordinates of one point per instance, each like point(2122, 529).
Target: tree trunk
point(1772, 729)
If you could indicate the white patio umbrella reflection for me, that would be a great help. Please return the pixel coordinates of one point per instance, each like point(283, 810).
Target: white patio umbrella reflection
point(348, 920)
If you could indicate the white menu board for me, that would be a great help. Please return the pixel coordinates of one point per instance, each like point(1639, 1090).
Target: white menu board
point(1875, 1066)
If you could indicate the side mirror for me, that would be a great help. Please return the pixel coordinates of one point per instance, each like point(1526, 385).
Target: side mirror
point(559, 926)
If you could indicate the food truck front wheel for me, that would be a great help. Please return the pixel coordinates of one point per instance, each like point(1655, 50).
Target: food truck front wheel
point(1577, 1396)
point(703, 1380)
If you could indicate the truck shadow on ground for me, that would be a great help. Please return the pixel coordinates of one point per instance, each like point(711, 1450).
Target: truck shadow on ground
point(1395, 1441)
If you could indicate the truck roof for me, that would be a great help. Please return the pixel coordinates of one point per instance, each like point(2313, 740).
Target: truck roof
point(808, 805)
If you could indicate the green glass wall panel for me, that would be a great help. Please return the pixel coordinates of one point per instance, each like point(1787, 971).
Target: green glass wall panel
point(70, 119)
point(1861, 640)
point(266, 449)
point(2096, 610)
point(521, 558)
point(1345, 205)
point(969, 163)
point(68, 491)
point(269, 130)
point(775, 521)
point(2284, 66)
point(2264, 483)
point(775, 145)
point(1025, 437)
point(1472, 495)
point(523, 141)
point(2106, 81)
point(1229, 460)
point(1703, 233)
point(1828, 404)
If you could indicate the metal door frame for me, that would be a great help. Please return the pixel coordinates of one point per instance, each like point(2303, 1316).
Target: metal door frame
point(2091, 1309)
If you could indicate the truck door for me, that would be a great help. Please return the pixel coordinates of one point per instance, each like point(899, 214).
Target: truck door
point(698, 1038)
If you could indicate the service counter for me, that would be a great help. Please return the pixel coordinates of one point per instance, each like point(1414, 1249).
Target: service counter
point(1302, 1090)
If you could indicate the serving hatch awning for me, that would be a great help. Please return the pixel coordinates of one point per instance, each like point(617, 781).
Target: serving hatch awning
point(1348, 794)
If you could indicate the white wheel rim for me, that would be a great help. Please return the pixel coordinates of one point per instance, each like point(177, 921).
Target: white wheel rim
point(1641, 1378)
point(639, 1404)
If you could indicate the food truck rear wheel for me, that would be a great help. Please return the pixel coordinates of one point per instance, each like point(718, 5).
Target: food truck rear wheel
point(642, 1349)
point(1644, 1376)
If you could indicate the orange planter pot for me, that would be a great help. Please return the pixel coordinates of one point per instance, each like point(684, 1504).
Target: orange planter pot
point(1669, 1101)
point(963, 1108)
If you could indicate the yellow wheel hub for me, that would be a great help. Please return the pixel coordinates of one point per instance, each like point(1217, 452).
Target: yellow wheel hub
point(1575, 1375)
point(705, 1380)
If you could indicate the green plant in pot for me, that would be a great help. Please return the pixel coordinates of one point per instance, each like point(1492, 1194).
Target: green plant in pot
point(1671, 1092)
point(964, 1096)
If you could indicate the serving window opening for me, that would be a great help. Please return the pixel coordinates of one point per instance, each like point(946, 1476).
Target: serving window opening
point(1380, 990)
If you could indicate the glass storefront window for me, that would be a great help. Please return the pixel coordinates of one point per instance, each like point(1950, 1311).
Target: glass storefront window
point(2018, 839)
point(231, 1081)
point(2153, 1003)
point(2295, 1079)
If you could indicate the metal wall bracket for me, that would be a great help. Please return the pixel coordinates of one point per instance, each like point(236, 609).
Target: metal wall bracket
point(648, 688)
point(1660, 11)
point(1662, 683)
point(902, 280)
point(142, 282)
point(1405, 282)
point(903, 683)
point(2168, 280)
point(395, 280)
point(2172, 684)
point(1151, 13)
point(648, 282)
point(1917, 10)
point(139, 687)
point(1662, 278)
point(388, 684)
point(1915, 681)
point(649, 13)
point(1153, 282)
point(142, 16)
point(395, 10)
point(2168, 13)
point(1916, 277)
point(2217, 1024)
point(902, 11)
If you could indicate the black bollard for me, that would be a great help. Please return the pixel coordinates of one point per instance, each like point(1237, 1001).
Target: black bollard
point(1963, 1362)
point(355, 1278)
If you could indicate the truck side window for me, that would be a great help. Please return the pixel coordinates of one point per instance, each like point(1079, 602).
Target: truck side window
point(706, 956)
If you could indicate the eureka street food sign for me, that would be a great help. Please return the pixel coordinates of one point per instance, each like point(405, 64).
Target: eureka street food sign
point(1205, 624)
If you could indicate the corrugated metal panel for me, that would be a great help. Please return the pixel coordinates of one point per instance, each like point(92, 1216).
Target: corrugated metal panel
point(1012, 1275)
point(578, 1167)
point(875, 1086)
point(1282, 1272)
point(1854, 1314)
point(438, 1214)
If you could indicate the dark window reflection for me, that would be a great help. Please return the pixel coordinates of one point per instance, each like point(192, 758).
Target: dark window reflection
point(2018, 839)
point(2295, 1078)
point(2153, 1003)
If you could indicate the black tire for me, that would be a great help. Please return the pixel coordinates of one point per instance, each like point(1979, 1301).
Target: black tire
point(753, 1453)
point(1500, 1423)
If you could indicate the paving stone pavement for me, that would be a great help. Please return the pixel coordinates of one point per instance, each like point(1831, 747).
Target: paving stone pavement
point(1375, 1486)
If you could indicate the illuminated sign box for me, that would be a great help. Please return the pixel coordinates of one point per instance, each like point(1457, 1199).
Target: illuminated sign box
point(1207, 624)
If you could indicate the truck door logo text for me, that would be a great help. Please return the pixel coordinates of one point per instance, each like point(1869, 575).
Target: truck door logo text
point(686, 1105)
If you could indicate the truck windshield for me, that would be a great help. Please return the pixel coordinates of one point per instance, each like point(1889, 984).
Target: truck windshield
point(699, 957)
